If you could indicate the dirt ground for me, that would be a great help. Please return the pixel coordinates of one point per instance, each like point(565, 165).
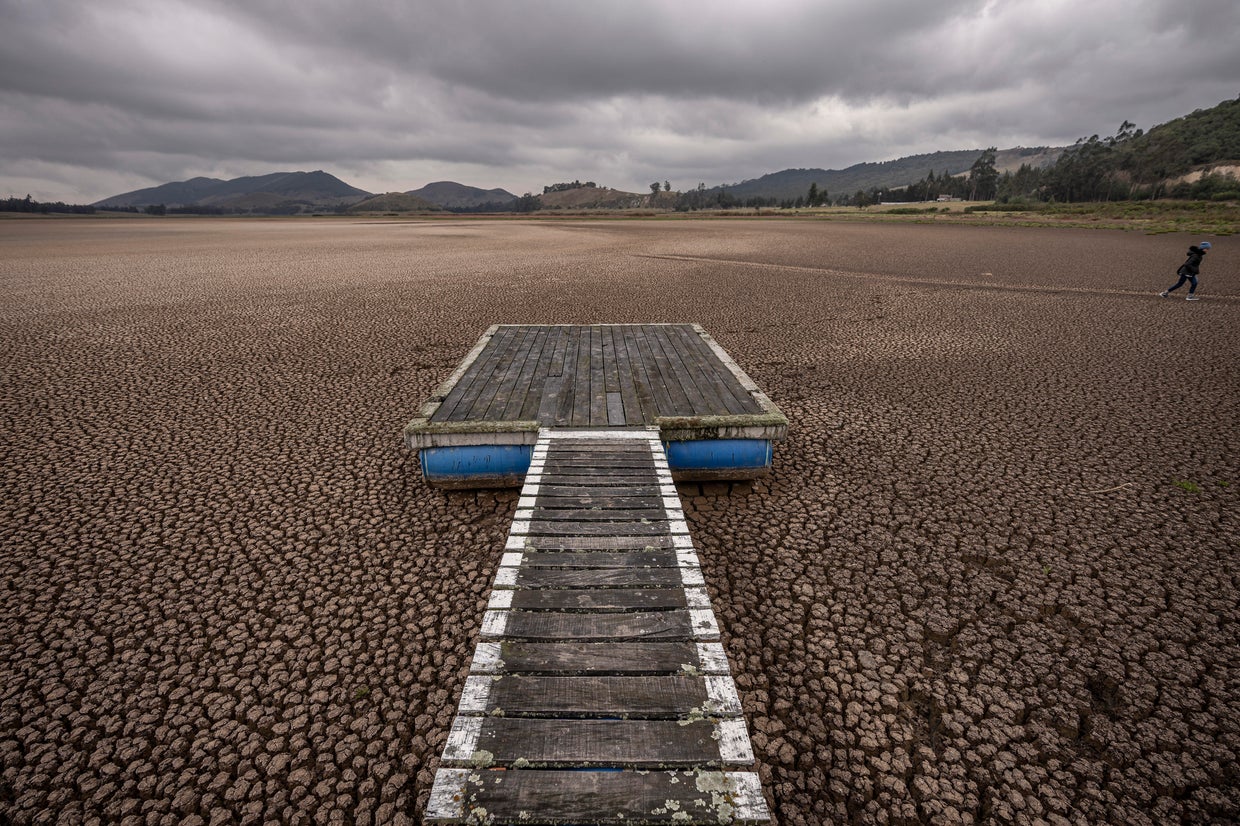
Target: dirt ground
point(993, 577)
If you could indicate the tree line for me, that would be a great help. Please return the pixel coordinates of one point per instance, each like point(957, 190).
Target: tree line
point(29, 204)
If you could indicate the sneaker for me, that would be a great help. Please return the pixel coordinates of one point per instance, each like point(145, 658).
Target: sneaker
point(1191, 297)
point(1162, 294)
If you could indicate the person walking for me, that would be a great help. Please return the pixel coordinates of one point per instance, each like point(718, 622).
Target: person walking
point(1188, 272)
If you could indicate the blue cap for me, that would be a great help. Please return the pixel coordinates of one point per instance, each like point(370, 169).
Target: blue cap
point(1205, 245)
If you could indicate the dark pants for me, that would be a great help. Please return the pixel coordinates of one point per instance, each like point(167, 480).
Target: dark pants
point(1192, 284)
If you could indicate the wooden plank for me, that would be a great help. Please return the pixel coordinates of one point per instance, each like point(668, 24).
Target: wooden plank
point(644, 697)
point(600, 600)
point(630, 468)
point(605, 798)
point(580, 414)
point(735, 397)
point(633, 447)
point(633, 411)
point(658, 390)
point(686, 373)
point(615, 410)
point(597, 514)
point(599, 492)
point(647, 625)
point(507, 372)
point(679, 403)
point(602, 478)
point(665, 558)
point(603, 459)
point(561, 412)
point(535, 383)
point(458, 404)
point(611, 367)
point(596, 543)
point(630, 437)
point(638, 446)
point(642, 379)
point(550, 401)
point(598, 380)
point(524, 371)
point(614, 528)
point(485, 390)
point(698, 371)
point(614, 363)
point(599, 462)
point(475, 400)
point(682, 404)
point(598, 578)
point(587, 499)
point(639, 744)
point(572, 467)
point(602, 659)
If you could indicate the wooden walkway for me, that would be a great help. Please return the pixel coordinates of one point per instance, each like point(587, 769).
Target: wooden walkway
point(599, 693)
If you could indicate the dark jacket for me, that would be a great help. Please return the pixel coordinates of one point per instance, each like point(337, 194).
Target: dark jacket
point(1193, 265)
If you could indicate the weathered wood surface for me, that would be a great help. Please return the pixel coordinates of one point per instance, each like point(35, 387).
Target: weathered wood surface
point(599, 648)
point(532, 578)
point(592, 543)
point(570, 558)
point(643, 625)
point(602, 600)
point(609, 376)
point(643, 697)
point(565, 743)
point(598, 513)
point(617, 658)
point(619, 526)
point(603, 492)
point(603, 798)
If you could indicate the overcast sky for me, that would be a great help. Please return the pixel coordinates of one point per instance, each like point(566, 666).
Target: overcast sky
point(98, 97)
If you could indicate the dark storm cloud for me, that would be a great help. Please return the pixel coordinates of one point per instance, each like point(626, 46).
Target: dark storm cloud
point(391, 95)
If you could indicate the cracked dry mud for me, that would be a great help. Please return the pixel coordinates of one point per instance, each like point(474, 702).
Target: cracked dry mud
point(992, 577)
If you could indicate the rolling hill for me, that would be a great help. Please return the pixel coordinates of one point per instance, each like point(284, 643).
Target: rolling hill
point(451, 195)
point(593, 197)
point(314, 189)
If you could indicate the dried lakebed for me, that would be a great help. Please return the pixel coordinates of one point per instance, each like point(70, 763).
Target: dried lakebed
point(992, 577)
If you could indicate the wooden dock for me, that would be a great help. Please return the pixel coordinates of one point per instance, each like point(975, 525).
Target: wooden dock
point(520, 378)
point(599, 693)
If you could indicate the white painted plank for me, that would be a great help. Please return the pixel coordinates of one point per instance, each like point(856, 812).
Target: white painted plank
point(721, 693)
point(487, 659)
point(476, 693)
point(463, 739)
point(447, 801)
point(734, 746)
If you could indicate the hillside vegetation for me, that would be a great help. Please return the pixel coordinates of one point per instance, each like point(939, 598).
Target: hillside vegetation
point(395, 202)
point(1192, 158)
point(791, 184)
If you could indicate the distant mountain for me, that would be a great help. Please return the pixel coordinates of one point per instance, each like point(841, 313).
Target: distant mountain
point(395, 202)
point(794, 183)
point(451, 195)
point(279, 189)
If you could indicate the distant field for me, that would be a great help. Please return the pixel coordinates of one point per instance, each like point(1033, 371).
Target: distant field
point(993, 575)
